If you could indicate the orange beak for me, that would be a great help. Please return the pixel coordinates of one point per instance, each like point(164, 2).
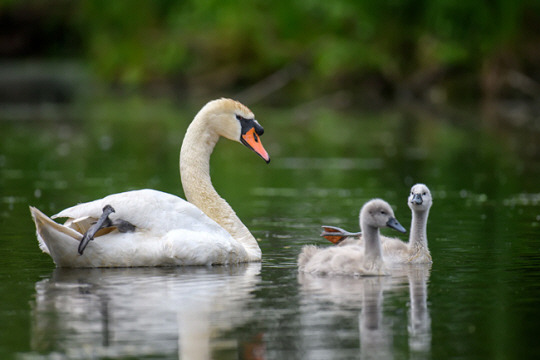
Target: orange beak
point(253, 141)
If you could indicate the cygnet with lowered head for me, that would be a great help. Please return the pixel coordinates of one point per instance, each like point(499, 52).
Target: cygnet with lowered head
point(394, 250)
point(355, 260)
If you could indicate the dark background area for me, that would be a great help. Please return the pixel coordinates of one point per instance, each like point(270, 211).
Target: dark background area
point(280, 52)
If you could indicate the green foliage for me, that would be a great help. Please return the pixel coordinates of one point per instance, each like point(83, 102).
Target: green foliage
point(230, 43)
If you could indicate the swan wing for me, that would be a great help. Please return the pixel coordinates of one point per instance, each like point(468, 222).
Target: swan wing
point(148, 210)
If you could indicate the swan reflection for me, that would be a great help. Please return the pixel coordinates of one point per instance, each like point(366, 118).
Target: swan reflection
point(88, 313)
point(329, 304)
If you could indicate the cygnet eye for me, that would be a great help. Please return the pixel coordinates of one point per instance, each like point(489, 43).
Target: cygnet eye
point(424, 193)
point(383, 212)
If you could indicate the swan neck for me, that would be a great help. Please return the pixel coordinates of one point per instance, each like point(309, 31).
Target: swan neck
point(195, 154)
point(198, 144)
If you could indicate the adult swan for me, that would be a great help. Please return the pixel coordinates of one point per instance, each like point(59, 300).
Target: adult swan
point(152, 228)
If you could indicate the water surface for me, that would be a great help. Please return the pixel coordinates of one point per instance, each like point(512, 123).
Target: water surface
point(479, 299)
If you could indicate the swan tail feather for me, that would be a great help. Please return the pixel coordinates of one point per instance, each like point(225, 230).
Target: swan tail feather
point(55, 239)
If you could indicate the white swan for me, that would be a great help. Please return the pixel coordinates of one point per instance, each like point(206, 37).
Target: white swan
point(152, 228)
point(354, 259)
point(394, 250)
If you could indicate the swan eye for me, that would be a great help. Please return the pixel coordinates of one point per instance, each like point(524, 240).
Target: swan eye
point(240, 118)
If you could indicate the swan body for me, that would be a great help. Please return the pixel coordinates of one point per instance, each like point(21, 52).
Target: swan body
point(394, 250)
point(164, 230)
point(355, 260)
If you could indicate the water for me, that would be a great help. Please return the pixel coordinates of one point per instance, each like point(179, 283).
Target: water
point(478, 300)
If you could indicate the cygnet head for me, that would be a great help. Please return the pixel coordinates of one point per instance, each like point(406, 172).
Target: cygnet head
point(378, 213)
point(234, 121)
point(420, 198)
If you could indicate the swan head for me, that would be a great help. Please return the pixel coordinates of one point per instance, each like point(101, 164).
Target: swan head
point(378, 213)
point(420, 198)
point(234, 121)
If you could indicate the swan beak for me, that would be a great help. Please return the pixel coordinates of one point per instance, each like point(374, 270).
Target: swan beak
point(394, 224)
point(417, 199)
point(253, 141)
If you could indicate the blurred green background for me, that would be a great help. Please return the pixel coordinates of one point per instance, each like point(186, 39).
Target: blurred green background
point(285, 52)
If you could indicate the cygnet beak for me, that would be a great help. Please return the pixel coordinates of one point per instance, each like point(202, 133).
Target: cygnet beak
point(417, 199)
point(394, 224)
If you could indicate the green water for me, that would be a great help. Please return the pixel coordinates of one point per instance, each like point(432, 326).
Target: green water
point(479, 300)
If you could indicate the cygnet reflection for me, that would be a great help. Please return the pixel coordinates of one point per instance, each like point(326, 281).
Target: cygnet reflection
point(332, 303)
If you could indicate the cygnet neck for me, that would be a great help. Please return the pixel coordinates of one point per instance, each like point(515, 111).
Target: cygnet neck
point(418, 235)
point(372, 242)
